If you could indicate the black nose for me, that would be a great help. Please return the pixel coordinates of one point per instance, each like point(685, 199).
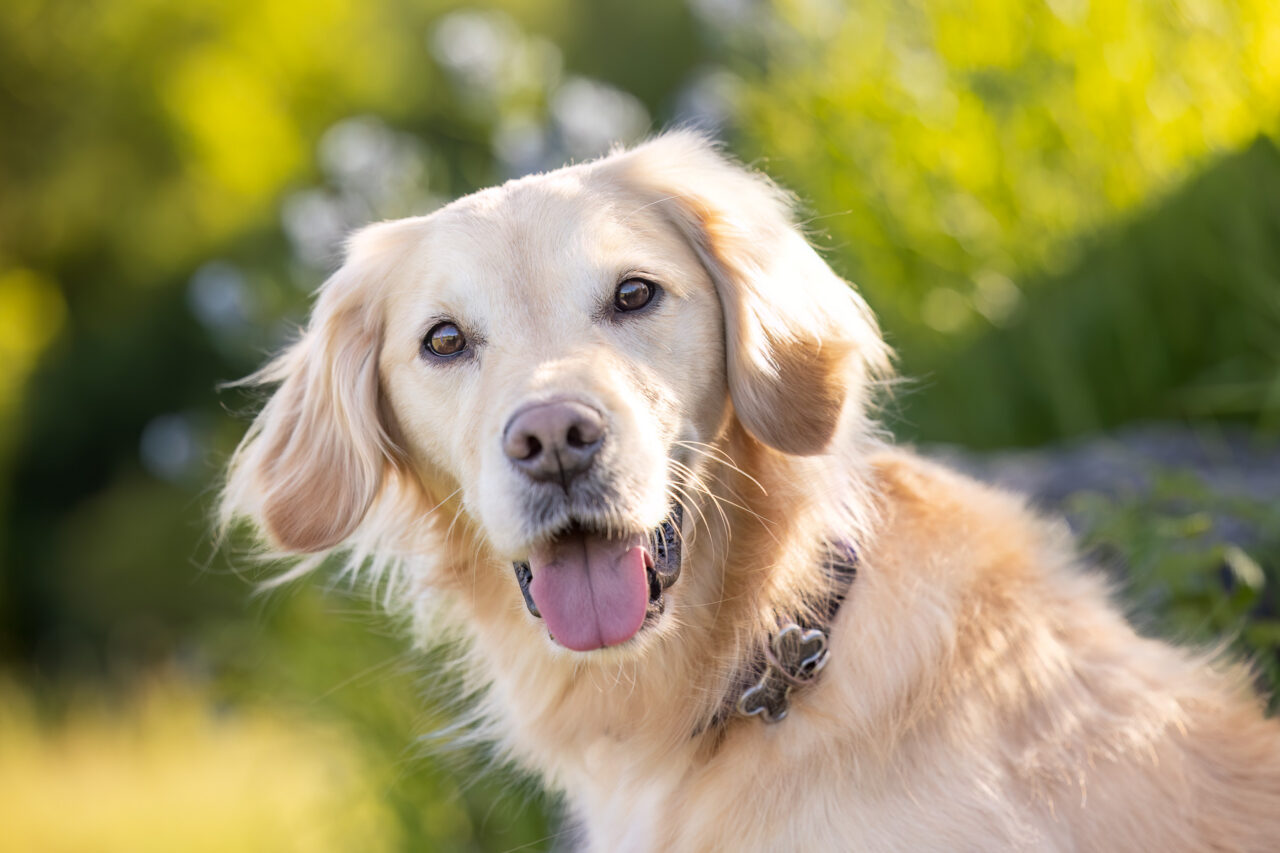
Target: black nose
point(554, 441)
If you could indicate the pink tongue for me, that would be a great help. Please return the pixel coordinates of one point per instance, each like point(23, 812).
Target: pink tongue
point(591, 591)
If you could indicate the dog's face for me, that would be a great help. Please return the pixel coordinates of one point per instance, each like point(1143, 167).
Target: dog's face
point(560, 356)
point(557, 356)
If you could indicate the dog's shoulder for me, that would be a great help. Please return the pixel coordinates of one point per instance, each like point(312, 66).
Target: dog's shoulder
point(1023, 642)
point(953, 528)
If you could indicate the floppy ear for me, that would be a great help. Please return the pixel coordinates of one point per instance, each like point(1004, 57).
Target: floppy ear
point(800, 343)
point(314, 460)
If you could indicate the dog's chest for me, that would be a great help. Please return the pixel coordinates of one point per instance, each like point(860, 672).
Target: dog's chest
point(747, 800)
point(665, 814)
point(627, 803)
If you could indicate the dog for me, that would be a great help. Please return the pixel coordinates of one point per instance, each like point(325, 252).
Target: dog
point(612, 427)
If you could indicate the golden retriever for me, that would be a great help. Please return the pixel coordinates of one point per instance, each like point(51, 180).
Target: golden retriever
point(609, 425)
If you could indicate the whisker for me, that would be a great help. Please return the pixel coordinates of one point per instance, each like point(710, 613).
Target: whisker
point(696, 483)
point(704, 489)
point(720, 455)
point(731, 491)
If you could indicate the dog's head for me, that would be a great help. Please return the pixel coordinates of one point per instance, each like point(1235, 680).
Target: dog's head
point(557, 359)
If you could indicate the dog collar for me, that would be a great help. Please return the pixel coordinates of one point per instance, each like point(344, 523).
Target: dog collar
point(792, 656)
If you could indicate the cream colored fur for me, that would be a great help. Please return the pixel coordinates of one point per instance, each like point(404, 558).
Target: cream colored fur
point(983, 691)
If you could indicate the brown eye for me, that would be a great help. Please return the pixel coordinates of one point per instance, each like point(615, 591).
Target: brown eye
point(633, 294)
point(444, 340)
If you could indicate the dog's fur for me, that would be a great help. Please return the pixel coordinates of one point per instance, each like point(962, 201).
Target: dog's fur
point(983, 692)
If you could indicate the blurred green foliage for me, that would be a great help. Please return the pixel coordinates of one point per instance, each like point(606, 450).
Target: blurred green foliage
point(995, 177)
point(1174, 313)
point(946, 143)
point(1184, 576)
point(1067, 215)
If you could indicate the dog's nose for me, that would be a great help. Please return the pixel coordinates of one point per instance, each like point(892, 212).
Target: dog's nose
point(554, 441)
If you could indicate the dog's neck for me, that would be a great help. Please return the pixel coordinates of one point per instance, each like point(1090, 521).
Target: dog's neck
point(758, 558)
point(791, 657)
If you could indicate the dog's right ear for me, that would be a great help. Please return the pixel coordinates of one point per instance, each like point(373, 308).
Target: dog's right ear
point(800, 344)
point(314, 460)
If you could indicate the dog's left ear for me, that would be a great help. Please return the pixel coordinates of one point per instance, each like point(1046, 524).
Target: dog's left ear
point(800, 343)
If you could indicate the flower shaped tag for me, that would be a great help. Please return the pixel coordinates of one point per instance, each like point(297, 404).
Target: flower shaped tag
point(793, 659)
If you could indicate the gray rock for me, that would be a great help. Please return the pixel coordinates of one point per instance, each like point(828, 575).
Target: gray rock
point(1229, 462)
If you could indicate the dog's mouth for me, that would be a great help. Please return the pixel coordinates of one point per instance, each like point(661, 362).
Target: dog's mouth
point(597, 589)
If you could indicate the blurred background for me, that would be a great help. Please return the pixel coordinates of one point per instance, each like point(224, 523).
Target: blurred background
point(1066, 214)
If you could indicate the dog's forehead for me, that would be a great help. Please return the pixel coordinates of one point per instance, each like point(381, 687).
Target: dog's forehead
point(542, 240)
point(517, 229)
point(559, 216)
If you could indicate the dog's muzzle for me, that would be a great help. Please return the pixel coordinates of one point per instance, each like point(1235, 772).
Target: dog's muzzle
point(663, 559)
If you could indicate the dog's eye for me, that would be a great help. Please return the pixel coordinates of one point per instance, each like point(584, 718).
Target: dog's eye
point(633, 294)
point(444, 340)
